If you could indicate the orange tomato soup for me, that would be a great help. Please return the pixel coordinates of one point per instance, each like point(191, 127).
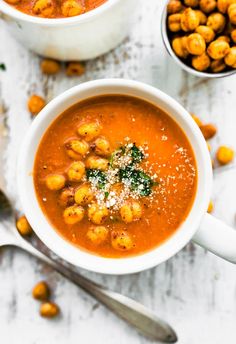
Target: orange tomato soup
point(55, 8)
point(115, 176)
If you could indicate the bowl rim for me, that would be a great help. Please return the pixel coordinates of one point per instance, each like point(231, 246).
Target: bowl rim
point(184, 66)
point(48, 234)
point(56, 22)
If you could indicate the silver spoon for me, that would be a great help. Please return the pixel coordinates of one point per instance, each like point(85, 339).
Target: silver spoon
point(143, 319)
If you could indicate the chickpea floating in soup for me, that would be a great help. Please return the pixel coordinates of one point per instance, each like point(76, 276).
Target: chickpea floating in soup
point(202, 33)
point(55, 8)
point(128, 190)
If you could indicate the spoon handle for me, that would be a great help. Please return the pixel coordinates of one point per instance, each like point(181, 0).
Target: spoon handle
point(143, 319)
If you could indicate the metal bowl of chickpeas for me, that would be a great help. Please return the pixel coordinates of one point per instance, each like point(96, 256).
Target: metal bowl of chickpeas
point(200, 35)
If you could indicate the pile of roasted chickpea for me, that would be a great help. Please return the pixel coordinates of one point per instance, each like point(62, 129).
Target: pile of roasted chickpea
point(203, 33)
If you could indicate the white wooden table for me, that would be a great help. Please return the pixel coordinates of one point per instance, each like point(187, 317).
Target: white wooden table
point(195, 291)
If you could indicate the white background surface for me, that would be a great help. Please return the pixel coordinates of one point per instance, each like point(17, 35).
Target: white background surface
point(195, 291)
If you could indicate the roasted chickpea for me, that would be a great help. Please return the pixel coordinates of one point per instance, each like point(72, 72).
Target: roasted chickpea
point(218, 49)
point(206, 32)
point(50, 67)
point(230, 58)
point(218, 66)
point(179, 47)
point(102, 146)
point(76, 171)
point(97, 214)
point(201, 62)
point(210, 207)
point(41, 291)
point(71, 8)
point(202, 17)
point(55, 182)
point(121, 241)
point(76, 148)
point(95, 162)
point(75, 69)
point(225, 155)
point(49, 310)
point(89, 130)
point(191, 3)
point(233, 35)
point(83, 195)
point(207, 6)
point(36, 104)
point(216, 21)
point(223, 5)
point(73, 214)
point(44, 8)
point(232, 13)
point(223, 38)
point(71, 153)
point(208, 130)
point(189, 20)
point(174, 20)
point(196, 119)
point(66, 197)
point(174, 6)
point(98, 234)
point(196, 44)
point(23, 226)
point(131, 211)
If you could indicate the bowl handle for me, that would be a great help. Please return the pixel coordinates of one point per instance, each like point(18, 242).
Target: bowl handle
point(217, 237)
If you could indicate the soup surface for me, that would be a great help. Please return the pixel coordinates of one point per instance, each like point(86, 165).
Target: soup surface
point(115, 175)
point(55, 8)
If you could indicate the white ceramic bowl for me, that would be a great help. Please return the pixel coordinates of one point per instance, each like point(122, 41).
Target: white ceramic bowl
point(179, 62)
point(212, 240)
point(76, 38)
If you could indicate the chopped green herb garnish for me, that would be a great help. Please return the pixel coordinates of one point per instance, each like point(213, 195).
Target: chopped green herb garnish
point(3, 66)
point(137, 154)
point(97, 177)
point(124, 161)
point(138, 180)
point(134, 152)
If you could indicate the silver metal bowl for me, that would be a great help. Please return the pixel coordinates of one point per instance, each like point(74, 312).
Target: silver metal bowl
point(184, 66)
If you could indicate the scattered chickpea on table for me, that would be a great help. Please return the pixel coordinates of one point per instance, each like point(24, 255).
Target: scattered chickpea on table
point(202, 33)
point(41, 292)
point(49, 310)
point(224, 154)
point(50, 67)
point(35, 104)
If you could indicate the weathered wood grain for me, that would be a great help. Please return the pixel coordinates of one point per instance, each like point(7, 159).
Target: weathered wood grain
point(195, 290)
